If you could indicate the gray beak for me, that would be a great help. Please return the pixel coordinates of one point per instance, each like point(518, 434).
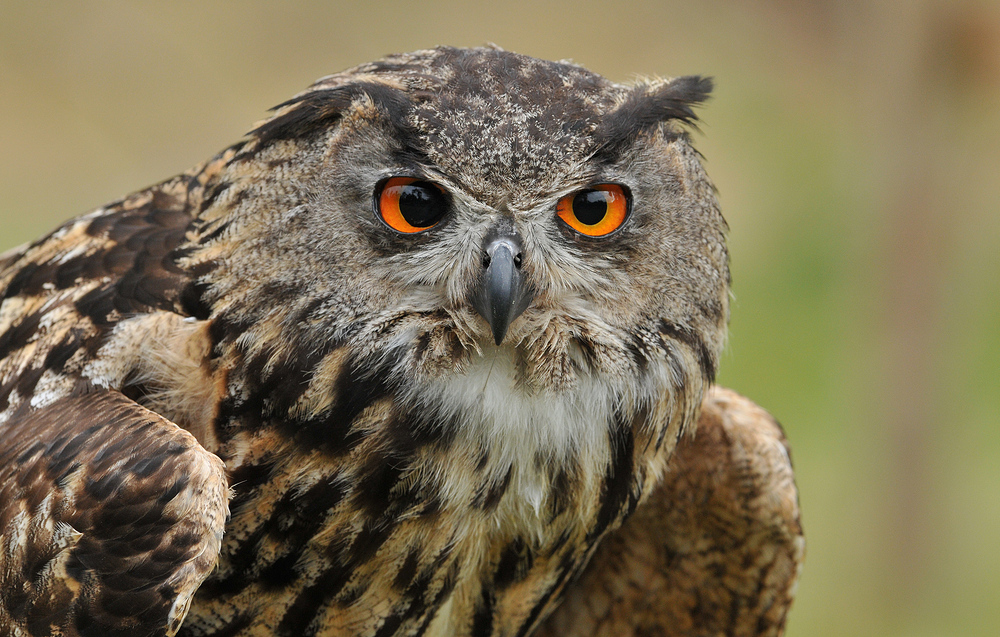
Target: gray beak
point(502, 294)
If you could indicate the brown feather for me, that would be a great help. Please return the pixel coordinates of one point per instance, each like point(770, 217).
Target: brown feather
point(717, 548)
point(112, 517)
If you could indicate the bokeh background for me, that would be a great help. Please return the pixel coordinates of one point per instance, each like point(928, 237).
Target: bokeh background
point(856, 148)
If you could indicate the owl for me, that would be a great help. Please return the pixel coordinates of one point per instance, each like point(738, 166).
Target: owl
point(432, 338)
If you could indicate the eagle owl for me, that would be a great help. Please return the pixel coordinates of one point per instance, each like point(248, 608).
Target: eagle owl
point(402, 362)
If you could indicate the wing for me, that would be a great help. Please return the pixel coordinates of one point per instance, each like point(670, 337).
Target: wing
point(715, 550)
point(110, 518)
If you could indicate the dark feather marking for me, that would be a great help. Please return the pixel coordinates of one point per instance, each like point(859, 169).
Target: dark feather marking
point(213, 193)
point(308, 312)
point(712, 310)
point(693, 340)
point(406, 573)
point(430, 505)
point(103, 487)
point(417, 590)
point(97, 305)
point(274, 391)
point(296, 518)
point(59, 354)
point(227, 328)
point(482, 618)
point(617, 479)
point(75, 568)
point(142, 543)
point(515, 562)
point(311, 601)
point(447, 586)
point(117, 260)
point(245, 480)
point(147, 466)
point(570, 566)
point(31, 452)
point(559, 541)
point(290, 377)
point(561, 493)
point(392, 623)
point(24, 384)
point(637, 351)
point(59, 454)
point(304, 513)
point(356, 389)
point(115, 514)
point(421, 498)
point(141, 257)
point(369, 540)
point(192, 301)
point(75, 270)
point(178, 485)
point(18, 336)
point(484, 456)
point(19, 280)
point(489, 494)
point(30, 279)
point(567, 563)
point(235, 415)
point(377, 480)
point(110, 450)
point(100, 225)
point(240, 562)
point(677, 369)
point(37, 560)
point(410, 431)
point(281, 572)
point(536, 611)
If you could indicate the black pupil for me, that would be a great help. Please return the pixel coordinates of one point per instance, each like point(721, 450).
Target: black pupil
point(590, 206)
point(422, 204)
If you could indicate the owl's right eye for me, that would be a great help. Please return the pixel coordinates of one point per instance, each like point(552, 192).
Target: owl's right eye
point(410, 205)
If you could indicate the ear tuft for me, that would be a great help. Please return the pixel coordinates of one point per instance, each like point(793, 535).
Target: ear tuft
point(313, 109)
point(675, 98)
point(649, 104)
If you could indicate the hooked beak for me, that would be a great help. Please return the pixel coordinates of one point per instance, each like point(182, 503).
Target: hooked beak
point(503, 293)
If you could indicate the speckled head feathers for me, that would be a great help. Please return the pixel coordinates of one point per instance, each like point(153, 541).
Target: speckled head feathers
point(493, 117)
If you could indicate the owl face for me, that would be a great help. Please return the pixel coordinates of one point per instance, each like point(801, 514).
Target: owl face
point(468, 204)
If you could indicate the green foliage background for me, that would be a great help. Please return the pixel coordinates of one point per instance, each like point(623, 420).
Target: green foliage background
point(855, 146)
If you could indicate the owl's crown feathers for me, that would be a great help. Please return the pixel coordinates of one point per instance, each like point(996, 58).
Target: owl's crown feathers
point(446, 76)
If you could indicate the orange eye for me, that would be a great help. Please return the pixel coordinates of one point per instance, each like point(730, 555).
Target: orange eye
point(595, 211)
point(411, 205)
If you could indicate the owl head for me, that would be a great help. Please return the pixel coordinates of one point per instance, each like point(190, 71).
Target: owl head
point(436, 210)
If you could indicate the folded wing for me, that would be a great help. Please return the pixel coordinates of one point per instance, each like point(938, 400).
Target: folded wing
point(110, 518)
point(715, 550)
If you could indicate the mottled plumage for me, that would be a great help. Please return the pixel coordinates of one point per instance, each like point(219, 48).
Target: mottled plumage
point(410, 434)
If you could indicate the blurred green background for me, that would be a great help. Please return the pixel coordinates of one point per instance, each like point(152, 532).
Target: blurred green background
point(856, 147)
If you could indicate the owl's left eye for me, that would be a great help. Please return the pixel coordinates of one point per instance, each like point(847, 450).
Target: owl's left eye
point(596, 211)
point(410, 205)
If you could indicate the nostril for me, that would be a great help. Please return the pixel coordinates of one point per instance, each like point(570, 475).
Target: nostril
point(486, 260)
point(517, 261)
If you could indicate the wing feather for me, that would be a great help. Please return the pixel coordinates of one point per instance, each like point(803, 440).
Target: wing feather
point(715, 550)
point(110, 518)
